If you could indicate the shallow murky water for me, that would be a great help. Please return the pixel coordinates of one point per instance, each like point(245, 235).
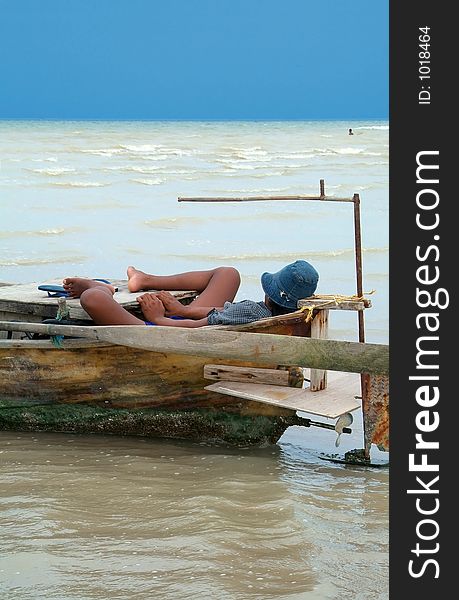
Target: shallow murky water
point(106, 517)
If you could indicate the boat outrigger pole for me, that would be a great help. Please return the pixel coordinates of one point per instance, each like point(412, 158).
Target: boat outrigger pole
point(321, 198)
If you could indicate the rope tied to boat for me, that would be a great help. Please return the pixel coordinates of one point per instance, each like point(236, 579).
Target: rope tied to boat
point(310, 310)
point(337, 298)
point(331, 300)
point(63, 312)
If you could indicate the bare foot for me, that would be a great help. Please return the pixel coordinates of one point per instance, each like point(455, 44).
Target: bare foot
point(171, 304)
point(75, 286)
point(152, 307)
point(137, 280)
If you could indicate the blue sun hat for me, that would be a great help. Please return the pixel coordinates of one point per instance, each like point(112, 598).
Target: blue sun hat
point(290, 284)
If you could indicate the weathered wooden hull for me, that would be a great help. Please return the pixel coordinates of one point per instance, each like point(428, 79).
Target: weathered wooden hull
point(90, 387)
point(213, 426)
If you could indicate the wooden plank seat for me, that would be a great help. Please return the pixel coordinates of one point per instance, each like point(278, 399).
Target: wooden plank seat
point(341, 396)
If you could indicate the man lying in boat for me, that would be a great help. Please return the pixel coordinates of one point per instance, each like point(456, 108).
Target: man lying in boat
point(214, 304)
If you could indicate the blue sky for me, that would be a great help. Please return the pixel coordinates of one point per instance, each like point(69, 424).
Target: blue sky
point(194, 59)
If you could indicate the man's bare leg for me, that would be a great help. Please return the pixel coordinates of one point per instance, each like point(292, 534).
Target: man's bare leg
point(75, 286)
point(215, 286)
point(97, 300)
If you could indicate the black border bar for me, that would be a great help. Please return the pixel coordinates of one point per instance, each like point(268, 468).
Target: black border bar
point(424, 242)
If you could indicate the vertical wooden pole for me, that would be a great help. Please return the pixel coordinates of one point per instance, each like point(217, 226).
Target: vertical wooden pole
point(359, 283)
point(322, 188)
point(358, 261)
point(319, 329)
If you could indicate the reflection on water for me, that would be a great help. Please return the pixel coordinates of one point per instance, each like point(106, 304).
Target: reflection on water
point(98, 517)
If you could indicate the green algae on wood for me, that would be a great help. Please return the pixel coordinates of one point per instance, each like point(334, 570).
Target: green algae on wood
point(206, 425)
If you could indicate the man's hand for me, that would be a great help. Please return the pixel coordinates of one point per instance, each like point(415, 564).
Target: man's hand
point(152, 307)
point(171, 304)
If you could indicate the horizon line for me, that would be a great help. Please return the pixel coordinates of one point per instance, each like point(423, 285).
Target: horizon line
point(156, 120)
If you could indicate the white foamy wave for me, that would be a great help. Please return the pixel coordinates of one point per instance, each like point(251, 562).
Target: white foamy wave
point(26, 262)
point(314, 152)
point(54, 231)
point(326, 152)
point(239, 166)
point(140, 148)
point(317, 152)
point(248, 173)
point(381, 127)
point(108, 152)
point(361, 162)
point(143, 151)
point(270, 174)
point(53, 172)
point(292, 167)
point(296, 156)
point(253, 151)
point(177, 152)
point(362, 188)
point(349, 151)
point(350, 189)
point(250, 190)
point(78, 184)
point(323, 255)
point(144, 170)
point(40, 232)
point(133, 169)
point(150, 157)
point(155, 149)
point(256, 159)
point(285, 256)
point(49, 159)
point(253, 157)
point(178, 171)
point(156, 181)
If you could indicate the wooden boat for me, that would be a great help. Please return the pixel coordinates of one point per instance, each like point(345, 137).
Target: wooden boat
point(154, 380)
point(95, 385)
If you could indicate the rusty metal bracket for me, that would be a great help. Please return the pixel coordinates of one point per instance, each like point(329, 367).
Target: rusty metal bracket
point(375, 411)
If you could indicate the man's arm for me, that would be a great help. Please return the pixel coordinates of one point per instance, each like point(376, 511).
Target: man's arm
point(154, 311)
point(180, 322)
point(189, 311)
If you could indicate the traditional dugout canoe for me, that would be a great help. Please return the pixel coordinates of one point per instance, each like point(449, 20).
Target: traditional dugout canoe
point(90, 386)
point(154, 383)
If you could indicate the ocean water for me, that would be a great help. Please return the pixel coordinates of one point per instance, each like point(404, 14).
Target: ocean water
point(89, 199)
point(92, 517)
